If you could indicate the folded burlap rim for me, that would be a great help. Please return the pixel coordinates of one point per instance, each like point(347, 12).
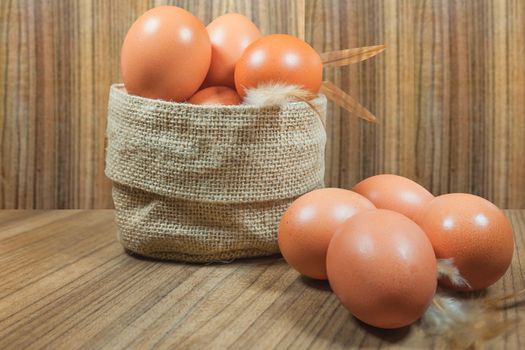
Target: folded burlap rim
point(214, 153)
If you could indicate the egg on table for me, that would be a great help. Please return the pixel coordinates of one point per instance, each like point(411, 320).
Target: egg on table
point(309, 223)
point(394, 192)
point(474, 233)
point(382, 267)
point(166, 54)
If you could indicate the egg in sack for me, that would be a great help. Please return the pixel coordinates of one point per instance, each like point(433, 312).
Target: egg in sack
point(165, 55)
point(215, 95)
point(279, 58)
point(230, 34)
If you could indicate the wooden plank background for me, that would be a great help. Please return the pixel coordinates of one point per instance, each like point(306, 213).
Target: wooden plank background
point(449, 92)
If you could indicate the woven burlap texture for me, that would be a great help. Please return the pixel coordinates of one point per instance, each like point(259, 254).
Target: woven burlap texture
point(208, 183)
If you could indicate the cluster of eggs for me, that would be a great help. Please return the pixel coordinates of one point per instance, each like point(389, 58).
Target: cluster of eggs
point(378, 245)
point(169, 54)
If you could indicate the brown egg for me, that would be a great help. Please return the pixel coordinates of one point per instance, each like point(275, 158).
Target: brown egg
point(166, 54)
point(472, 231)
point(279, 58)
point(309, 223)
point(216, 95)
point(230, 34)
point(382, 268)
point(394, 192)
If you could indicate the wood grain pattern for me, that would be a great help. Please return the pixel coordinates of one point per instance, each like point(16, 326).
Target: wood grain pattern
point(448, 92)
point(57, 61)
point(67, 284)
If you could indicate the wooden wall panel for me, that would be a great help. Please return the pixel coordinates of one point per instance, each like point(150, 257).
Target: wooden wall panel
point(57, 61)
point(449, 93)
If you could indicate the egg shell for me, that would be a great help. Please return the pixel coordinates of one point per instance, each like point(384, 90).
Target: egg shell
point(394, 192)
point(382, 268)
point(166, 54)
point(309, 223)
point(474, 233)
point(216, 95)
point(230, 34)
point(279, 58)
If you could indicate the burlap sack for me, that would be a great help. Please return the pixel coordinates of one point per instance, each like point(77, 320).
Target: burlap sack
point(208, 183)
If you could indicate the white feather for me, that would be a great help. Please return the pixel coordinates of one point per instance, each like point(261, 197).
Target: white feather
point(442, 314)
point(463, 323)
point(275, 94)
point(446, 268)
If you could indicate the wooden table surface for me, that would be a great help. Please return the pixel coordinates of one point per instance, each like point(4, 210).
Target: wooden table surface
point(65, 283)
